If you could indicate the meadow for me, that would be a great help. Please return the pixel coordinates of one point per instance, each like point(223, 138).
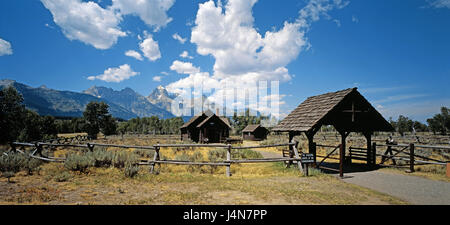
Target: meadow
point(112, 183)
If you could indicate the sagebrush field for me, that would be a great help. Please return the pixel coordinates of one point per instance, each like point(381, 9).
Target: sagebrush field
point(117, 181)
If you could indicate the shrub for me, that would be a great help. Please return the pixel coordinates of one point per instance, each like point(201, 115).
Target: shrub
point(197, 157)
point(79, 163)
point(10, 164)
point(145, 153)
point(102, 158)
point(120, 158)
point(182, 157)
point(314, 171)
point(245, 154)
point(214, 156)
point(217, 154)
point(221, 154)
point(30, 164)
point(131, 169)
point(62, 177)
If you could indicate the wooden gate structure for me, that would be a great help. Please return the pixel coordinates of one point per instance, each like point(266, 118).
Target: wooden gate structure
point(347, 110)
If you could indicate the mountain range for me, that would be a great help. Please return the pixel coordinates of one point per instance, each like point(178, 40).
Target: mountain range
point(124, 104)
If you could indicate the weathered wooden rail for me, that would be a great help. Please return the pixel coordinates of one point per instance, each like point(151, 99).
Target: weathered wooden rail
point(393, 152)
point(227, 163)
point(157, 161)
point(409, 154)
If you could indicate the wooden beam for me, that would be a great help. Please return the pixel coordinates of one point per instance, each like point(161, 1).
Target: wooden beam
point(291, 149)
point(368, 136)
point(228, 159)
point(341, 161)
point(297, 156)
point(411, 158)
point(344, 135)
point(311, 144)
point(354, 111)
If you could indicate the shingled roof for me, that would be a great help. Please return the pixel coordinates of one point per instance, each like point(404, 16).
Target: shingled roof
point(193, 119)
point(251, 128)
point(322, 109)
point(223, 119)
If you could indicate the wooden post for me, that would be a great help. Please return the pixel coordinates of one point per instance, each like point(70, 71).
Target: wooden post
point(13, 147)
point(229, 159)
point(369, 148)
point(297, 155)
point(341, 161)
point(38, 149)
point(311, 145)
point(155, 158)
point(343, 143)
point(90, 147)
point(291, 148)
point(306, 169)
point(374, 153)
point(411, 158)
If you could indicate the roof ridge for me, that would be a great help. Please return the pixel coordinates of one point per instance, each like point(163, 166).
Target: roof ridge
point(314, 109)
point(334, 92)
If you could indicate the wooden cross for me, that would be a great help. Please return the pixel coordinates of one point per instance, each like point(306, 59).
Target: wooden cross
point(353, 111)
point(208, 104)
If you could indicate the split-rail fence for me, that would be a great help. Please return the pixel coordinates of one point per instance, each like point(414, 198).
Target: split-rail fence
point(37, 152)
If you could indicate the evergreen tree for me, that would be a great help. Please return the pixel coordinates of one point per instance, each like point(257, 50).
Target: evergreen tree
point(404, 124)
point(11, 114)
point(109, 125)
point(48, 127)
point(440, 122)
point(97, 117)
point(32, 130)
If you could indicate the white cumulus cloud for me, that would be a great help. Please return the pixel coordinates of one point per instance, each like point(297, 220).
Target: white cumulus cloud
point(86, 22)
point(5, 48)
point(186, 55)
point(152, 12)
point(184, 67)
point(150, 48)
point(89, 23)
point(229, 36)
point(118, 74)
point(244, 56)
point(177, 37)
point(134, 54)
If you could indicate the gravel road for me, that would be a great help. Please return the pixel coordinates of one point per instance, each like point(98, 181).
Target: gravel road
point(415, 190)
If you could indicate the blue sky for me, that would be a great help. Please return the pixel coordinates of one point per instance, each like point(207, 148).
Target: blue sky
point(395, 51)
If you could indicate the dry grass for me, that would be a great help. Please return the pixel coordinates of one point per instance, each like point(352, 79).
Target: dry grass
point(249, 185)
point(268, 183)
